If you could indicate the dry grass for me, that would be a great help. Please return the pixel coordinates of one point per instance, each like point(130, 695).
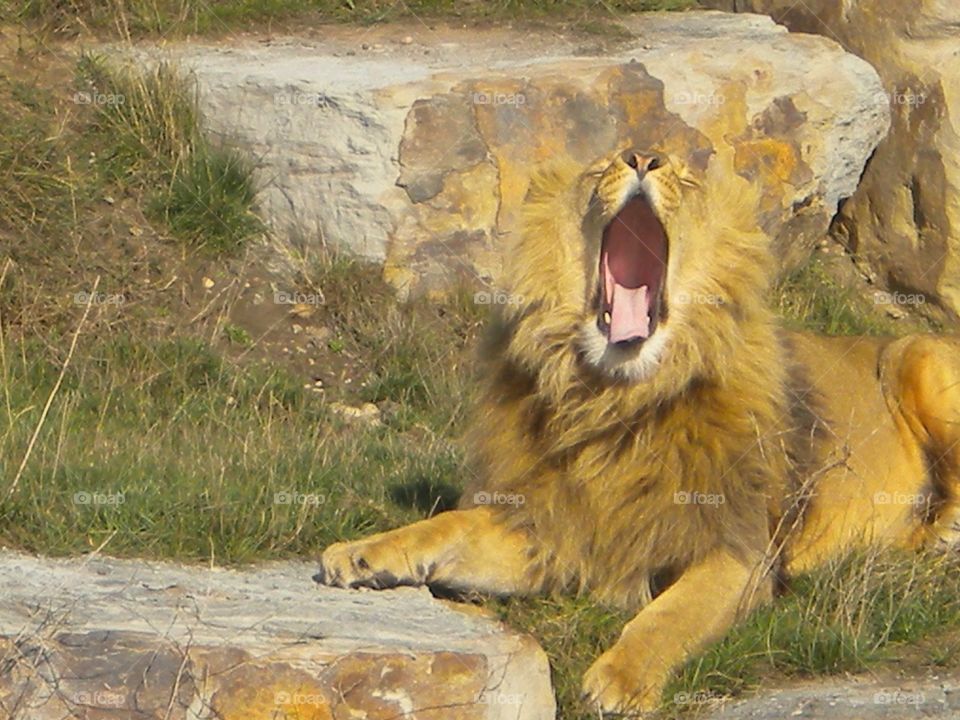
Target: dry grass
point(149, 117)
point(171, 18)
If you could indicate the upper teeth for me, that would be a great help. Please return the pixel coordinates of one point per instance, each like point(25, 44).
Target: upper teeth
point(606, 317)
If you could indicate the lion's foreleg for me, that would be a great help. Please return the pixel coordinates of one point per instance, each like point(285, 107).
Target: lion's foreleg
point(460, 550)
point(696, 610)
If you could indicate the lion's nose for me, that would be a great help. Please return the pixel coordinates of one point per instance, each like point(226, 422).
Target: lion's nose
point(642, 162)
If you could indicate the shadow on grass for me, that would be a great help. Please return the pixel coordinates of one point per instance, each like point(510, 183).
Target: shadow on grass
point(425, 495)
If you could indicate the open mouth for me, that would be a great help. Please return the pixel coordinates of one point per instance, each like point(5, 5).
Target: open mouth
point(633, 265)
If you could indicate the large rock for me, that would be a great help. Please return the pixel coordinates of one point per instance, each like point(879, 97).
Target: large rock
point(100, 638)
point(421, 160)
point(904, 220)
point(850, 698)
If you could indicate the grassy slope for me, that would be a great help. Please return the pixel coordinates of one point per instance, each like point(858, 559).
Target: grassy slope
point(164, 449)
point(158, 445)
point(173, 18)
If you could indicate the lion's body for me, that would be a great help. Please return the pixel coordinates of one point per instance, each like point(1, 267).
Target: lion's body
point(890, 450)
point(678, 474)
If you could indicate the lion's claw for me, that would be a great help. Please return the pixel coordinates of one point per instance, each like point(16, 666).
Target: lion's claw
point(342, 565)
point(614, 689)
point(360, 565)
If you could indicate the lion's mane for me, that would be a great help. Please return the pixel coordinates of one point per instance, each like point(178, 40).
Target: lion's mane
point(607, 470)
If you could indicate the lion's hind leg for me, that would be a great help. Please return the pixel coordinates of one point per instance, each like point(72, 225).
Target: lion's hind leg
point(921, 376)
point(460, 550)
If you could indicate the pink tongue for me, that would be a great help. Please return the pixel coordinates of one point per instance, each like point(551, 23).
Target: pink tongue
point(629, 313)
point(629, 307)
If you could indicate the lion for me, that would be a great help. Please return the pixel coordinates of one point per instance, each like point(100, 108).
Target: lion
point(651, 435)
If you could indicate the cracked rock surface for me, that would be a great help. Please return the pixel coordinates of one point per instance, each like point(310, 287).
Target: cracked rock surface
point(106, 638)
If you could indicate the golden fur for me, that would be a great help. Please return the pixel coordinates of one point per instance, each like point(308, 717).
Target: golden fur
point(678, 475)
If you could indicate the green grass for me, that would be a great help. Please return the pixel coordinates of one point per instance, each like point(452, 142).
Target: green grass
point(117, 132)
point(574, 632)
point(144, 121)
point(845, 618)
point(237, 335)
point(810, 298)
point(149, 121)
point(137, 18)
point(210, 203)
point(417, 355)
point(41, 182)
point(165, 450)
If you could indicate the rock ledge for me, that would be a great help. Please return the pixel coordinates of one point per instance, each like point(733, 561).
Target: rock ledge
point(105, 638)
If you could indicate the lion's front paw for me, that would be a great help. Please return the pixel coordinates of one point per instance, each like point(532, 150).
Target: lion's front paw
point(364, 564)
point(615, 686)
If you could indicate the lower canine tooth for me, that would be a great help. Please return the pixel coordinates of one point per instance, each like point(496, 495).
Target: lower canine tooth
point(606, 318)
